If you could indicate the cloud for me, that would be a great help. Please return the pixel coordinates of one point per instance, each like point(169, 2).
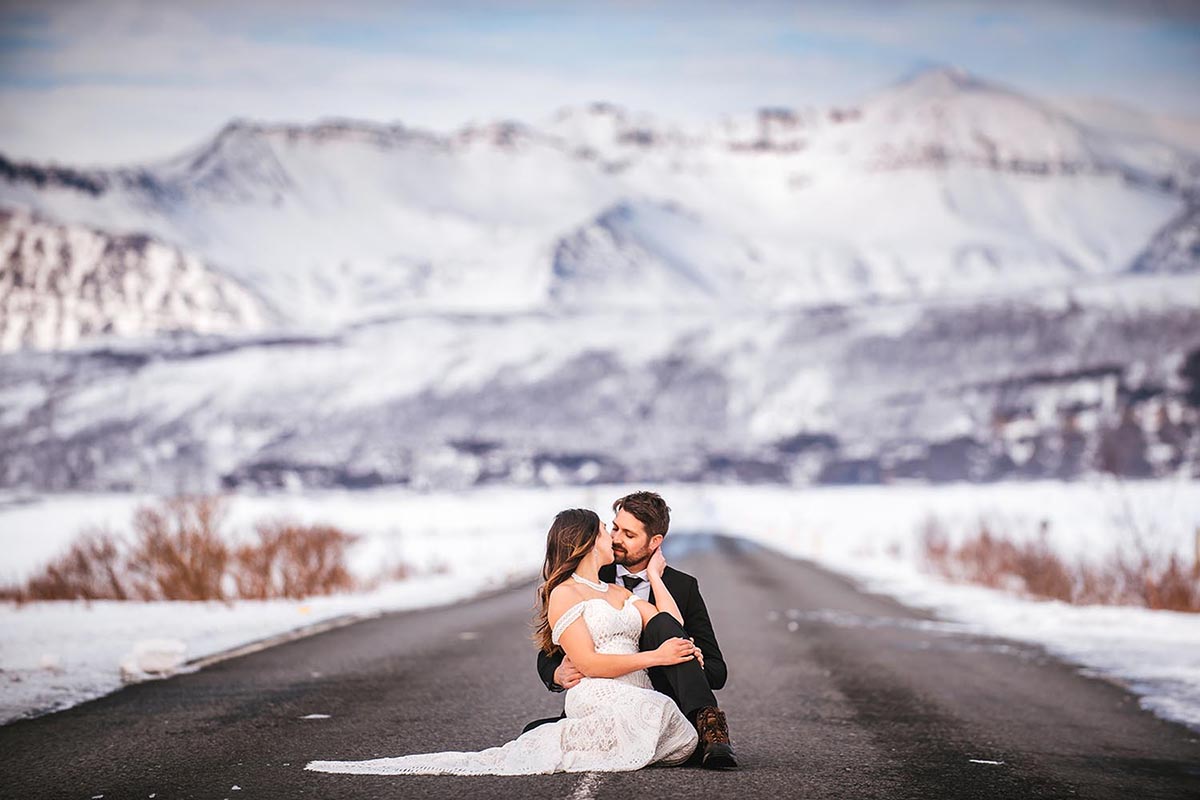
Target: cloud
point(121, 81)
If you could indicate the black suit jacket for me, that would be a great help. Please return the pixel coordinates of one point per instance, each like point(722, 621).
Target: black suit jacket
point(685, 590)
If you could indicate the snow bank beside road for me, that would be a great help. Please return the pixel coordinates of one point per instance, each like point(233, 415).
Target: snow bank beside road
point(872, 534)
point(53, 655)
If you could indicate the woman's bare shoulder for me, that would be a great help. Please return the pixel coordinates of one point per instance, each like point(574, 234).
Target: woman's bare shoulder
point(564, 596)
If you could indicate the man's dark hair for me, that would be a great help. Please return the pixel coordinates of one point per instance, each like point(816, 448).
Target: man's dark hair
point(649, 509)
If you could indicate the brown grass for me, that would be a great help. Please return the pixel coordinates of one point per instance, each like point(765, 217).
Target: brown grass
point(290, 560)
point(180, 552)
point(1033, 568)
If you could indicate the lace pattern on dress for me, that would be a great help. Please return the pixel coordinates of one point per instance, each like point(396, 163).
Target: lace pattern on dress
point(611, 724)
point(570, 615)
point(576, 611)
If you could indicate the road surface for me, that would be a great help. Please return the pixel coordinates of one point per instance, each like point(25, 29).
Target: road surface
point(832, 693)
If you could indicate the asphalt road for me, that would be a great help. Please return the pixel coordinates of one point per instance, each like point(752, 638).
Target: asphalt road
point(832, 693)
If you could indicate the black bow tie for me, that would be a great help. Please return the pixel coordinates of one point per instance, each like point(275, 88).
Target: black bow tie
point(631, 581)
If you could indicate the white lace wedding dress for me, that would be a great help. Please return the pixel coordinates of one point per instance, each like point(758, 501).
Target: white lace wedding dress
point(612, 724)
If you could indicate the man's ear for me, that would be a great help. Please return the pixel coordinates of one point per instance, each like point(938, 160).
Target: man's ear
point(655, 542)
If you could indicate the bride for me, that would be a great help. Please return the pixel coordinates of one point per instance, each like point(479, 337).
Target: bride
point(615, 720)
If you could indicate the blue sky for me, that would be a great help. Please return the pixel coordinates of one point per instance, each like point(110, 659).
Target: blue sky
point(124, 80)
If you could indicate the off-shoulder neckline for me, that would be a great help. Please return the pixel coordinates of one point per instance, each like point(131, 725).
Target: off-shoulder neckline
point(632, 596)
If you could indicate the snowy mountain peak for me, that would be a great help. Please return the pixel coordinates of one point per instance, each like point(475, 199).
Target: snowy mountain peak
point(672, 255)
point(941, 80)
point(606, 129)
point(237, 165)
point(505, 134)
point(600, 108)
point(243, 141)
point(946, 115)
point(242, 132)
point(949, 88)
point(239, 126)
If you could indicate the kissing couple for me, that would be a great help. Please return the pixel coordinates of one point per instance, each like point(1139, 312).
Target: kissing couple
point(629, 641)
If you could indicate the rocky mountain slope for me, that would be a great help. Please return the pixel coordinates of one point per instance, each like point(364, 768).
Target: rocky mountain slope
point(65, 284)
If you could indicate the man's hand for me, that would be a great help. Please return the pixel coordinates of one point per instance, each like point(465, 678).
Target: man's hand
point(566, 675)
point(699, 655)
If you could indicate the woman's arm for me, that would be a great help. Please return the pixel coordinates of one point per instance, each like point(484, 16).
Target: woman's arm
point(577, 642)
point(662, 596)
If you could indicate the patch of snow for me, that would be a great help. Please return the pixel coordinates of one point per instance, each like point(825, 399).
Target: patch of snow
point(153, 657)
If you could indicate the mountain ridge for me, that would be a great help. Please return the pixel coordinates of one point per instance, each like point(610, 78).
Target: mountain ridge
point(942, 282)
point(928, 187)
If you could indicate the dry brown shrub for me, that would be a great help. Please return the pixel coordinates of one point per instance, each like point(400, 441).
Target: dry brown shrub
point(1100, 585)
point(387, 572)
point(1163, 583)
point(1045, 574)
point(1035, 569)
point(179, 552)
point(1175, 587)
point(935, 545)
point(986, 560)
point(292, 560)
point(92, 568)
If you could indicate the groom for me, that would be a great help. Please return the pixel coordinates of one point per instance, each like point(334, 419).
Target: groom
point(641, 523)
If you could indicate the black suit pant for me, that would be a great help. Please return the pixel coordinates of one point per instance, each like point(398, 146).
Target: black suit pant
point(684, 683)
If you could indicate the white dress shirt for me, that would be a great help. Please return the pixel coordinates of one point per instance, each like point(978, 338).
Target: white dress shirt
point(642, 590)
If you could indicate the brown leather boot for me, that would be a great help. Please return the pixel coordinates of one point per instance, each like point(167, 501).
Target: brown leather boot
point(714, 739)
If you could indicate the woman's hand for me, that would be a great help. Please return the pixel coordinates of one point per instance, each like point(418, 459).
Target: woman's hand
point(658, 563)
point(675, 651)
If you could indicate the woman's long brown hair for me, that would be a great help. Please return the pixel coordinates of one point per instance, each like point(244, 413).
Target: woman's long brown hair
point(572, 536)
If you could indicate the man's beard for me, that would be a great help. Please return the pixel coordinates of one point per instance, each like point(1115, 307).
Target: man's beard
point(625, 558)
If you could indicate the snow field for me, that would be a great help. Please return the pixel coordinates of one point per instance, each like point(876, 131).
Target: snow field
point(53, 655)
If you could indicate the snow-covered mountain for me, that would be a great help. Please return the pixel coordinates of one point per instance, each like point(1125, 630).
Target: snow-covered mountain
point(940, 185)
point(1111, 118)
point(947, 280)
point(62, 284)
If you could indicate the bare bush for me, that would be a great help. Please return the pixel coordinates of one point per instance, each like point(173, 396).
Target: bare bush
point(1034, 568)
point(92, 568)
point(388, 572)
point(935, 544)
point(1160, 583)
point(1044, 572)
point(180, 552)
point(293, 560)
